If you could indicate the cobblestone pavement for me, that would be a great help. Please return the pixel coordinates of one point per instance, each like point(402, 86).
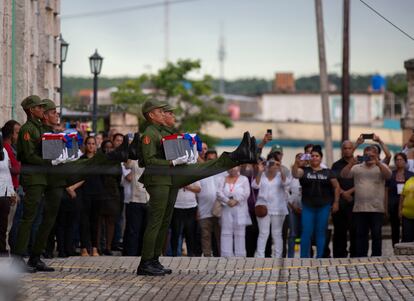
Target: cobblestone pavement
point(113, 278)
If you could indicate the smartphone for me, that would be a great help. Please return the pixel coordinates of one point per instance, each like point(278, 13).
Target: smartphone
point(305, 157)
point(367, 136)
point(362, 159)
point(269, 131)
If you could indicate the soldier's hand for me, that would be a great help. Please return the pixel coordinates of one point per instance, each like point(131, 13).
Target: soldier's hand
point(59, 160)
point(192, 158)
point(181, 160)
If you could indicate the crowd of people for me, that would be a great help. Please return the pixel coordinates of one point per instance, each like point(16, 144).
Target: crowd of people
point(263, 210)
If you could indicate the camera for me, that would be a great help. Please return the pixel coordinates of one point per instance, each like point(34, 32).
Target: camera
point(270, 163)
point(367, 136)
point(362, 159)
point(305, 157)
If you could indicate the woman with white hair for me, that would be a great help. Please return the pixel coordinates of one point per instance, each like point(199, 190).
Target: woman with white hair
point(233, 192)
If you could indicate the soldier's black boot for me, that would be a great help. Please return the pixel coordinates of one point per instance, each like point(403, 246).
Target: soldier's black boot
point(21, 265)
point(134, 149)
point(244, 153)
point(121, 152)
point(39, 265)
point(157, 263)
point(147, 268)
point(254, 149)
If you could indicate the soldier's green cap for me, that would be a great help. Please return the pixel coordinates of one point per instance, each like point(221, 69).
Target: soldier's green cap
point(49, 105)
point(169, 108)
point(152, 104)
point(31, 101)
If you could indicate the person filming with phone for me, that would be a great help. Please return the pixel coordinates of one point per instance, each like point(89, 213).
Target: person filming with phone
point(381, 145)
point(369, 176)
point(320, 195)
point(271, 181)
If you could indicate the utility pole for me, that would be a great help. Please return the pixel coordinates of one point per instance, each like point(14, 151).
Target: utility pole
point(166, 31)
point(345, 73)
point(222, 57)
point(324, 84)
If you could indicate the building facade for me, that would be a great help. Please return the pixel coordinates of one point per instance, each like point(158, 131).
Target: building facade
point(365, 108)
point(30, 53)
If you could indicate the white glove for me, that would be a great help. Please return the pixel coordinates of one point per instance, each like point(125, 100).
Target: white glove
point(181, 160)
point(63, 158)
point(71, 159)
point(195, 152)
point(192, 158)
point(58, 160)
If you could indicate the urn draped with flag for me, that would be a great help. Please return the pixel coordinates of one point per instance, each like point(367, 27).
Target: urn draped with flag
point(178, 145)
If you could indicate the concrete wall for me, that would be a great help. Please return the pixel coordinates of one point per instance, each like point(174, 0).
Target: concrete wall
point(296, 131)
point(364, 108)
point(30, 57)
point(124, 122)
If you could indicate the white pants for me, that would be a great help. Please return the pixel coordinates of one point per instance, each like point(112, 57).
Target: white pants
point(276, 223)
point(230, 230)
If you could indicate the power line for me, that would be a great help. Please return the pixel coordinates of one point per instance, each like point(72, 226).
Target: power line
point(375, 11)
point(121, 9)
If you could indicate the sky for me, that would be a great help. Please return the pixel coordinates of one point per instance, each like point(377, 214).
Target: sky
point(262, 37)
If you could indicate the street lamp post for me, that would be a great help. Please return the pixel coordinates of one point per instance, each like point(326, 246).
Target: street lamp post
point(95, 62)
point(64, 46)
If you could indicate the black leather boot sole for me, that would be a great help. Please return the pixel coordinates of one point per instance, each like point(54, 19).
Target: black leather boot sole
point(243, 153)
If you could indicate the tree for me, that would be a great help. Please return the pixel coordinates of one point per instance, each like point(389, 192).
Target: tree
point(193, 99)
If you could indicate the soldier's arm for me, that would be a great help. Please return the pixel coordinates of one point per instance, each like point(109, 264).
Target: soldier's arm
point(27, 149)
point(150, 142)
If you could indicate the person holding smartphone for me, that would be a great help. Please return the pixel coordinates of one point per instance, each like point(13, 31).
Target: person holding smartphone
point(320, 195)
point(381, 145)
point(370, 202)
point(271, 182)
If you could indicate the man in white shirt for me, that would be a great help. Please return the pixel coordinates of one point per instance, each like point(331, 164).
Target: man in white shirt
point(209, 223)
point(135, 200)
point(183, 222)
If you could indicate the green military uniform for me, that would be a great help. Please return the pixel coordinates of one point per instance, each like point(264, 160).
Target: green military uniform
point(162, 182)
point(34, 181)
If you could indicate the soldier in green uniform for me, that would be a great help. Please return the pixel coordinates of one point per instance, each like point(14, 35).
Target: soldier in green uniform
point(54, 181)
point(34, 182)
point(162, 179)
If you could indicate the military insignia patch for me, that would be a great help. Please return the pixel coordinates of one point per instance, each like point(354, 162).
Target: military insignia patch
point(26, 136)
point(146, 140)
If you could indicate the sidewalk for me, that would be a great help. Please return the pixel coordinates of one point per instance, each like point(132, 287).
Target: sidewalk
point(113, 278)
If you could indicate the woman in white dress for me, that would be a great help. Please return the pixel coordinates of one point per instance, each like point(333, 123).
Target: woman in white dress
point(233, 192)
